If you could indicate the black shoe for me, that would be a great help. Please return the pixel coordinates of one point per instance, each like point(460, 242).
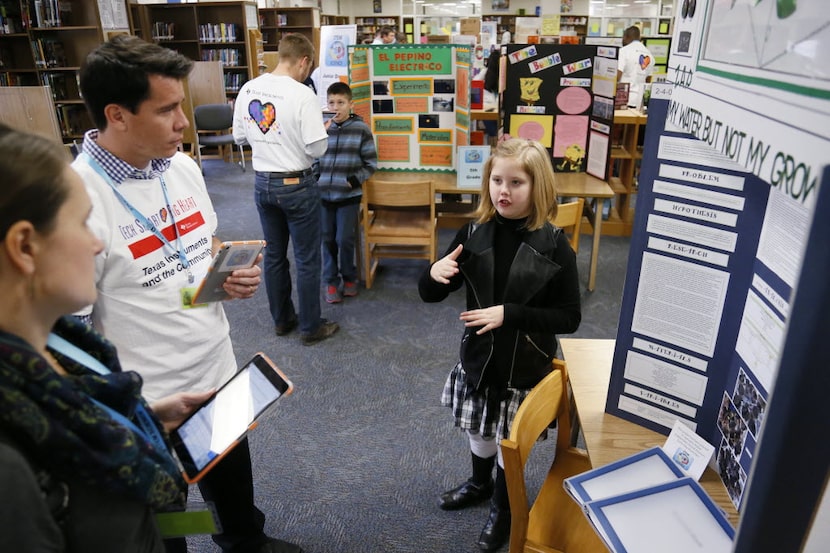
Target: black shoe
point(497, 530)
point(286, 328)
point(327, 328)
point(465, 495)
point(274, 545)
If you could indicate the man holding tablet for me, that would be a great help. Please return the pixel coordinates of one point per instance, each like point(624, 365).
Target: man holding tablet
point(153, 214)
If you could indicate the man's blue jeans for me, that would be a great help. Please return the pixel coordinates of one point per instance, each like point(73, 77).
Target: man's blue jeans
point(339, 230)
point(291, 211)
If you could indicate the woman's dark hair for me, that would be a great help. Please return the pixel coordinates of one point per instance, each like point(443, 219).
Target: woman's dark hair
point(33, 187)
point(117, 72)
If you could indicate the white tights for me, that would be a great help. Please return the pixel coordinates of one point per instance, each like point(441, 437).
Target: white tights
point(485, 448)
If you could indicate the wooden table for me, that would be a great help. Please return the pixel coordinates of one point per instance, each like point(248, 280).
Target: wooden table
point(576, 185)
point(609, 437)
point(484, 115)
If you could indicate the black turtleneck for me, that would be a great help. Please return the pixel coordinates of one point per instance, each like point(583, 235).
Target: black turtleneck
point(508, 238)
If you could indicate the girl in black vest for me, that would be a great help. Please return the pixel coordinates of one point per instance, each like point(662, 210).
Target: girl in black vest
point(522, 289)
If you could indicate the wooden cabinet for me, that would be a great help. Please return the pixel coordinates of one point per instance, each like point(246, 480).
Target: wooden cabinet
point(207, 31)
point(276, 22)
point(327, 19)
point(573, 25)
point(502, 21)
point(626, 153)
point(368, 26)
point(39, 47)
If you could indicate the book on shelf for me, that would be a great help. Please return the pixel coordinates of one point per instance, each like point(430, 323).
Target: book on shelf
point(47, 13)
point(72, 120)
point(57, 85)
point(163, 30)
point(48, 52)
point(6, 59)
point(218, 32)
point(10, 20)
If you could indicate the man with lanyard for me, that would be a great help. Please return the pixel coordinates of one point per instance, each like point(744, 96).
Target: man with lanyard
point(281, 120)
point(152, 211)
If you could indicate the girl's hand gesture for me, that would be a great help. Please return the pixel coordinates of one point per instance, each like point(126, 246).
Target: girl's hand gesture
point(447, 267)
point(489, 318)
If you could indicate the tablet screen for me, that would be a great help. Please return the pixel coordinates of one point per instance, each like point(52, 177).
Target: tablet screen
point(216, 425)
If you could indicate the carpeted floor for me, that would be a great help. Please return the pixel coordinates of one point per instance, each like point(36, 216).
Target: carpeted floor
point(354, 460)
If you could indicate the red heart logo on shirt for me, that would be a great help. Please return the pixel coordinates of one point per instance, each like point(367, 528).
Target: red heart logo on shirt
point(264, 114)
point(645, 61)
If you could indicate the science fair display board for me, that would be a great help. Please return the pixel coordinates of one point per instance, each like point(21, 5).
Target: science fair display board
point(416, 100)
point(333, 65)
point(727, 191)
point(563, 97)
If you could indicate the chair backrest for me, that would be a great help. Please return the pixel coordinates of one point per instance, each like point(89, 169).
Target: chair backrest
point(213, 117)
point(569, 219)
point(555, 521)
point(383, 193)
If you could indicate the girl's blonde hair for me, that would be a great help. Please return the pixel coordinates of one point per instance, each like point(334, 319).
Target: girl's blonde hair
point(534, 160)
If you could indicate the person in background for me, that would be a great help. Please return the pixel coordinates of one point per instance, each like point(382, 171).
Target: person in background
point(491, 91)
point(281, 120)
point(634, 66)
point(400, 37)
point(505, 36)
point(522, 289)
point(152, 211)
point(79, 470)
point(350, 159)
point(386, 35)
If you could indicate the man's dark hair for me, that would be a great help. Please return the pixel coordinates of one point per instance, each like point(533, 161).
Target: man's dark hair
point(632, 33)
point(341, 89)
point(117, 72)
point(386, 30)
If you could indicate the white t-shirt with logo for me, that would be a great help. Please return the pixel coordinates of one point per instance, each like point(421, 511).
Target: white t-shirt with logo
point(140, 281)
point(636, 64)
point(281, 120)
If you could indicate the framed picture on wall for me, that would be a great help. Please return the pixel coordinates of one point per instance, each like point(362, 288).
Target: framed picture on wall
point(377, 6)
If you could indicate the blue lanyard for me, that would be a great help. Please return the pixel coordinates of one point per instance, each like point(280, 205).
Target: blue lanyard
point(149, 431)
point(141, 217)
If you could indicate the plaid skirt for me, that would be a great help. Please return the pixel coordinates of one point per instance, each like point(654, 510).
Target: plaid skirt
point(478, 412)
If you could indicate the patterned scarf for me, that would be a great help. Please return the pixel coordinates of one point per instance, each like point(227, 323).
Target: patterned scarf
point(68, 435)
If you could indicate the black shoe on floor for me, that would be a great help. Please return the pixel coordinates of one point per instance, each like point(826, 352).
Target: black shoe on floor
point(327, 328)
point(497, 530)
point(465, 495)
point(274, 545)
point(286, 328)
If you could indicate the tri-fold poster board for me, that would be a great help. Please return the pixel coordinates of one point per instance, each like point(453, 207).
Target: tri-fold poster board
point(562, 96)
point(725, 205)
point(416, 100)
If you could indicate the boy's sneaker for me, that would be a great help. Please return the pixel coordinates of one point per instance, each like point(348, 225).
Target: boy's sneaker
point(349, 289)
point(333, 295)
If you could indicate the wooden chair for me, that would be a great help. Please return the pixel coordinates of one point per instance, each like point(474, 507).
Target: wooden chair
point(555, 522)
point(398, 221)
point(569, 219)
